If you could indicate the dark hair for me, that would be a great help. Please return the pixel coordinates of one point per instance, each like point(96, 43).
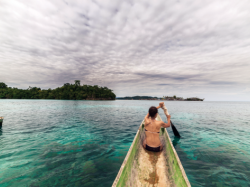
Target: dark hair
point(152, 111)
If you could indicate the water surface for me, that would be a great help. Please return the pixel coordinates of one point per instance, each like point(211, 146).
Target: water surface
point(83, 143)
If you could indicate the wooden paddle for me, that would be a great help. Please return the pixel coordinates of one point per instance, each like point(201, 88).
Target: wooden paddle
point(176, 133)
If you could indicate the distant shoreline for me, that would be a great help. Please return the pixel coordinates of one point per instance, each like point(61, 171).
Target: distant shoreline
point(66, 92)
point(166, 98)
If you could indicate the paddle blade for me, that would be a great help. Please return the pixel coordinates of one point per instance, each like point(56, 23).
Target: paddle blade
point(176, 133)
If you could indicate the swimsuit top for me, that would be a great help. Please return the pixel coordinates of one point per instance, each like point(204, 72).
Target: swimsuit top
point(150, 131)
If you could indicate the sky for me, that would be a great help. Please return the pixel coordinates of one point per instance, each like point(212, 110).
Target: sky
point(188, 48)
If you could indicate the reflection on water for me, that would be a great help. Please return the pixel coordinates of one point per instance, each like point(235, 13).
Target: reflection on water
point(175, 141)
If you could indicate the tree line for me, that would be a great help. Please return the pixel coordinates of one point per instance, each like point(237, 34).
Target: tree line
point(66, 92)
point(137, 98)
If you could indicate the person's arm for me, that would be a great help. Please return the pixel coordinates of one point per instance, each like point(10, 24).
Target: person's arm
point(165, 125)
point(147, 116)
point(146, 119)
point(160, 105)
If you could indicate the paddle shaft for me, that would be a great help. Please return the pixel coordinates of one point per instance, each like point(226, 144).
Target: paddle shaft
point(176, 133)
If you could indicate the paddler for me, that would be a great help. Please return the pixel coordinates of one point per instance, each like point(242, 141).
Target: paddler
point(152, 128)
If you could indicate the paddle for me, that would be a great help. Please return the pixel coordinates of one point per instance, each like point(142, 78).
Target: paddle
point(176, 133)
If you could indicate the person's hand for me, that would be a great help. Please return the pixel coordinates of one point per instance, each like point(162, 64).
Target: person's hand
point(168, 116)
point(161, 104)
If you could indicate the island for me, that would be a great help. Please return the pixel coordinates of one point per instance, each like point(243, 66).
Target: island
point(166, 98)
point(137, 98)
point(174, 98)
point(66, 92)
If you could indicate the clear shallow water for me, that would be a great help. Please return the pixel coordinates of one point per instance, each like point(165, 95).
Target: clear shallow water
point(83, 143)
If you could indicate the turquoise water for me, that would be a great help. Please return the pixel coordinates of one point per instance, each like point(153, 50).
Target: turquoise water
point(83, 143)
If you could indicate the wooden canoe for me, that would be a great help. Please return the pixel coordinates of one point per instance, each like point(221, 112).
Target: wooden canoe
point(144, 168)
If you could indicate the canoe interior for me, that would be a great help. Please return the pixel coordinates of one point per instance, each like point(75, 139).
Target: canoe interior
point(145, 168)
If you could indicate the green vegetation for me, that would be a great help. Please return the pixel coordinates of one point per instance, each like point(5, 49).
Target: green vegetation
point(67, 92)
point(174, 98)
point(194, 99)
point(167, 98)
point(138, 98)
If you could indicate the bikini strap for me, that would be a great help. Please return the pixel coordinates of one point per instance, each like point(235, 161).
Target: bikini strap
point(151, 131)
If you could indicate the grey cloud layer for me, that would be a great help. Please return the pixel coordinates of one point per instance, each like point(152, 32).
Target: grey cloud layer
point(148, 47)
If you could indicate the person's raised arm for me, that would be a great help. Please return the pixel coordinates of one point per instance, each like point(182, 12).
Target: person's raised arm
point(147, 116)
point(162, 105)
point(165, 125)
point(146, 119)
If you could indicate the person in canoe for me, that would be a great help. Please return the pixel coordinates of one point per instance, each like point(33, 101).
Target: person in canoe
point(152, 129)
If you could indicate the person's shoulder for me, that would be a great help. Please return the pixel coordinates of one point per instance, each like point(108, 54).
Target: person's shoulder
point(160, 122)
point(146, 121)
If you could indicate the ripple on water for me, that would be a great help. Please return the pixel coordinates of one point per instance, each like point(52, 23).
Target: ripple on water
point(83, 143)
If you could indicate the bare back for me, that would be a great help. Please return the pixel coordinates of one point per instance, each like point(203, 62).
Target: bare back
point(152, 129)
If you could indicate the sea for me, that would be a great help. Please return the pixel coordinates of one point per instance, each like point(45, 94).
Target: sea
point(83, 143)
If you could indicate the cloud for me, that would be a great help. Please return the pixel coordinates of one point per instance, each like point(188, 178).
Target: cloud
point(150, 47)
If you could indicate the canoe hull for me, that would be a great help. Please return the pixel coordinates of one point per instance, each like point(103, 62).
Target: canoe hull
point(145, 168)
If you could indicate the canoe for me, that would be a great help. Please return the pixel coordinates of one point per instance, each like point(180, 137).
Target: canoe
point(144, 168)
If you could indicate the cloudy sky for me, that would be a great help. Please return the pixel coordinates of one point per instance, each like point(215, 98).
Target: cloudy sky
point(163, 47)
